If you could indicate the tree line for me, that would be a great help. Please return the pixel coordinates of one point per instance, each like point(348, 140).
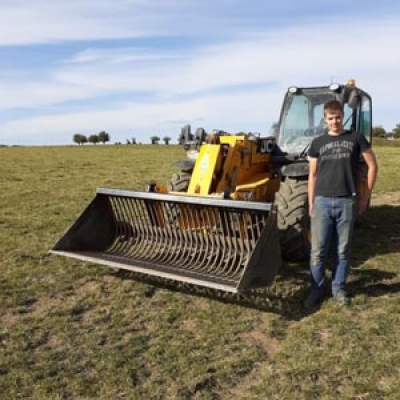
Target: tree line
point(379, 131)
point(104, 137)
point(101, 137)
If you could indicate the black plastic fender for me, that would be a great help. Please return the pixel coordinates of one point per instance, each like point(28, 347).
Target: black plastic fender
point(295, 169)
point(185, 165)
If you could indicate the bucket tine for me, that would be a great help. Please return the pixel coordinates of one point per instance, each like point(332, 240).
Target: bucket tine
point(222, 244)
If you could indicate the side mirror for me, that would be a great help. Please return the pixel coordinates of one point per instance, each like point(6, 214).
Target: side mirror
point(354, 99)
point(200, 135)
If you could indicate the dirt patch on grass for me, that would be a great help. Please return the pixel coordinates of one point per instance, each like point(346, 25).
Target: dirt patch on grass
point(386, 199)
point(42, 306)
point(9, 320)
point(270, 346)
point(189, 326)
point(259, 339)
point(88, 287)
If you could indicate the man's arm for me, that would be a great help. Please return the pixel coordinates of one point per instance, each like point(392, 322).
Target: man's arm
point(370, 160)
point(312, 178)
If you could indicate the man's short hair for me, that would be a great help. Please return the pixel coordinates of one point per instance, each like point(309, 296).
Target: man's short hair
point(333, 106)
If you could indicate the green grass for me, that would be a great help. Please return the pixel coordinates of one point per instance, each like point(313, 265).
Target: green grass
point(72, 330)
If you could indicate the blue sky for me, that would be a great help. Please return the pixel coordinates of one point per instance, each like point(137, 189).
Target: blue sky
point(138, 68)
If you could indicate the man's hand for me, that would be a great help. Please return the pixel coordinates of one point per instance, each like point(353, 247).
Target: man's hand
point(363, 202)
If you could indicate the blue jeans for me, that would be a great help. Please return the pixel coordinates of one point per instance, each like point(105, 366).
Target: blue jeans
point(332, 221)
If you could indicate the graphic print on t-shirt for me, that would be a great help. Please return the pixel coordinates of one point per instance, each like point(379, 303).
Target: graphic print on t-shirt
point(337, 150)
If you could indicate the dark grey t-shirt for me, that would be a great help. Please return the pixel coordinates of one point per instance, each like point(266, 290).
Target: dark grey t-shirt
point(338, 163)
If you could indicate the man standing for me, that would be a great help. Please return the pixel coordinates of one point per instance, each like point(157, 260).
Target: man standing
point(334, 162)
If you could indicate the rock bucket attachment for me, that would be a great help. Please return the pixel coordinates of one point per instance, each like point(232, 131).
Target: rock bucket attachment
point(221, 244)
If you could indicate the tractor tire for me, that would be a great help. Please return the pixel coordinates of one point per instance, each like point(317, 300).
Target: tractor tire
point(179, 182)
point(293, 219)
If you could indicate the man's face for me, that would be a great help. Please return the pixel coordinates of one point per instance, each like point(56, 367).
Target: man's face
point(334, 121)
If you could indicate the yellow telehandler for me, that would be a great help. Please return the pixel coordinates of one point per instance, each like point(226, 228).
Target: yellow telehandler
point(235, 209)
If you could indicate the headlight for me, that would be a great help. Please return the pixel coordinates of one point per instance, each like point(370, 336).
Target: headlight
point(293, 89)
point(335, 87)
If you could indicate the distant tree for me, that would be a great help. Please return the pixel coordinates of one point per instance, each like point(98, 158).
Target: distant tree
point(396, 132)
point(94, 139)
point(128, 141)
point(103, 137)
point(154, 139)
point(79, 138)
point(273, 131)
point(166, 139)
point(133, 141)
point(378, 131)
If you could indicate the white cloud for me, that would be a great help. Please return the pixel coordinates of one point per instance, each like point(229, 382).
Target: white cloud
point(46, 21)
point(318, 52)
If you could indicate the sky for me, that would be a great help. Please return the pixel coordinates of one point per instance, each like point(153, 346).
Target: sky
point(142, 68)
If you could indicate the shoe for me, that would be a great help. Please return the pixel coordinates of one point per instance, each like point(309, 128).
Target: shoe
point(315, 297)
point(341, 298)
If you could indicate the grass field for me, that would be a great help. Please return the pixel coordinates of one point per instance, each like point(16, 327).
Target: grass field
point(70, 330)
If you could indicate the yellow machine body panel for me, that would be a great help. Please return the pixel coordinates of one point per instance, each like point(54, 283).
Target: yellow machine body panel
point(236, 168)
point(260, 188)
point(246, 171)
point(203, 172)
